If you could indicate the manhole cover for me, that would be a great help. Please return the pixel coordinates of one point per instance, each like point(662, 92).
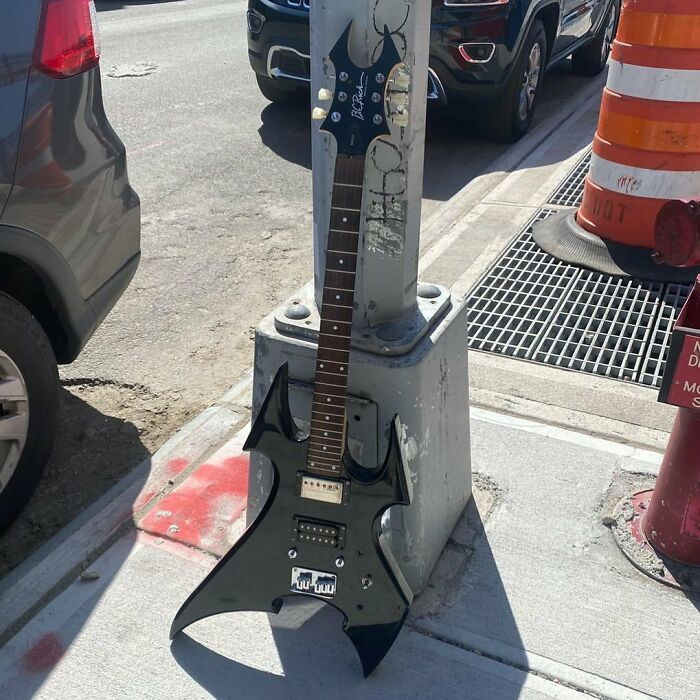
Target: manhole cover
point(532, 306)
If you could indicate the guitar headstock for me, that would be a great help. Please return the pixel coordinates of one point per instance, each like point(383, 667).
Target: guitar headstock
point(364, 96)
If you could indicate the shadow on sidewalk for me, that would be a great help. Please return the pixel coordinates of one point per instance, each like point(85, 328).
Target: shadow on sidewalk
point(311, 656)
point(455, 150)
point(71, 482)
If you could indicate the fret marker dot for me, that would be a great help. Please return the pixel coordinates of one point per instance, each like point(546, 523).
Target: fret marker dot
point(328, 400)
point(335, 328)
point(340, 261)
point(325, 448)
point(342, 368)
point(337, 296)
point(345, 219)
point(327, 418)
point(312, 463)
point(321, 365)
point(325, 433)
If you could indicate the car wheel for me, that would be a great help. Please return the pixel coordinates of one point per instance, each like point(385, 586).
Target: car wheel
point(28, 406)
point(281, 92)
point(512, 114)
point(592, 58)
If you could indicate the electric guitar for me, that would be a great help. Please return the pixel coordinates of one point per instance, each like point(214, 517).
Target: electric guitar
point(319, 534)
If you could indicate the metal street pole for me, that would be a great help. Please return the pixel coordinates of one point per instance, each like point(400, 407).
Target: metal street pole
point(408, 352)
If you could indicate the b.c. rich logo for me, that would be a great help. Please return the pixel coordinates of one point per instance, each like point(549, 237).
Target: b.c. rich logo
point(358, 99)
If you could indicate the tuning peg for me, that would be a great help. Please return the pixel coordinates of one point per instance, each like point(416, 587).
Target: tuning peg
point(324, 95)
point(400, 99)
point(318, 113)
point(402, 79)
point(400, 118)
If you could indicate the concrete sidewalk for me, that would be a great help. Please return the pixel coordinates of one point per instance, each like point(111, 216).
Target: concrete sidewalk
point(531, 599)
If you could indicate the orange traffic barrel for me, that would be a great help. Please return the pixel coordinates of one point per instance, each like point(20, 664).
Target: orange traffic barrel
point(646, 150)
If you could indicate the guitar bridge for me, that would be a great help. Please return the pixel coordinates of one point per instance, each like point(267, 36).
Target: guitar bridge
point(317, 488)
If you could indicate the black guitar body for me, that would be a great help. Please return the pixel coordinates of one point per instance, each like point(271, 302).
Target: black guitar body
point(303, 546)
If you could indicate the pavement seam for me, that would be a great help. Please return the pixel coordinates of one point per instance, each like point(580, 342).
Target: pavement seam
point(614, 691)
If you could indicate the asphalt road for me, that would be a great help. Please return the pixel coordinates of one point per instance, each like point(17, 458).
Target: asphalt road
point(225, 184)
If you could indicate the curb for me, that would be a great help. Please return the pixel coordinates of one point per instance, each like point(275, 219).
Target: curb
point(37, 579)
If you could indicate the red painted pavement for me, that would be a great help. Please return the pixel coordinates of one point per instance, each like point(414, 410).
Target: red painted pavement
point(43, 655)
point(207, 508)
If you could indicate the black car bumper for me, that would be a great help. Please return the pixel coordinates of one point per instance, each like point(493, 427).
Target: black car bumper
point(278, 47)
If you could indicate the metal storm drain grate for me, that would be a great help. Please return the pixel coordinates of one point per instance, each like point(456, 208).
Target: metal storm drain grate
point(535, 307)
point(570, 192)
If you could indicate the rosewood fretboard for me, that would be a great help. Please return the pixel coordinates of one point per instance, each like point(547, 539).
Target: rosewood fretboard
point(328, 419)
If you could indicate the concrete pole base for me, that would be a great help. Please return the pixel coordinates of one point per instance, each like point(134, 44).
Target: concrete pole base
point(428, 386)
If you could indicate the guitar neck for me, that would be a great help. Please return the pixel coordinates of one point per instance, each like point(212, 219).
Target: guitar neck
point(328, 418)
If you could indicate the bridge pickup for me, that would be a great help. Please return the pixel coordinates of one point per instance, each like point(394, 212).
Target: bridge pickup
point(325, 534)
point(316, 488)
point(311, 582)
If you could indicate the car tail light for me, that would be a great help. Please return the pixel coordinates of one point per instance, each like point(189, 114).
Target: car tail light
point(68, 42)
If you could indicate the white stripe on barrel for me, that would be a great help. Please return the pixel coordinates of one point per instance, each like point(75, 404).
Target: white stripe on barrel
point(642, 182)
point(666, 84)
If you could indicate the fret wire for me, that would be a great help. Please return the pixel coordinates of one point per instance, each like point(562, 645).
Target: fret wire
point(331, 468)
point(323, 454)
point(334, 374)
point(331, 396)
point(346, 184)
point(326, 426)
point(315, 438)
point(326, 458)
point(327, 384)
point(323, 439)
point(330, 414)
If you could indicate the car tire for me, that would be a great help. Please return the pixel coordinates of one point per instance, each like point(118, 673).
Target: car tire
point(281, 92)
point(592, 58)
point(512, 114)
point(28, 406)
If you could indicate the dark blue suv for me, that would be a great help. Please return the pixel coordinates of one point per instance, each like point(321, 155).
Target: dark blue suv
point(490, 53)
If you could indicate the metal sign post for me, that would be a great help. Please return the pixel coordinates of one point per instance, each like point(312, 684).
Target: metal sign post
point(409, 351)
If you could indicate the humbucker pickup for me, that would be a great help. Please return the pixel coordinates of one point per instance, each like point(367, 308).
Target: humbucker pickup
point(318, 532)
point(313, 582)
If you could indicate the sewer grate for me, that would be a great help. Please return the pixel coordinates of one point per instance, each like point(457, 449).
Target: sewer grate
point(570, 192)
point(675, 295)
point(532, 306)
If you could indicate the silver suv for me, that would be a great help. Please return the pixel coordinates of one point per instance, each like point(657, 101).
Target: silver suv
point(69, 222)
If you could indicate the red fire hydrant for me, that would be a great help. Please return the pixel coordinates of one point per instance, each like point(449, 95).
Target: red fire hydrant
point(677, 234)
point(659, 530)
